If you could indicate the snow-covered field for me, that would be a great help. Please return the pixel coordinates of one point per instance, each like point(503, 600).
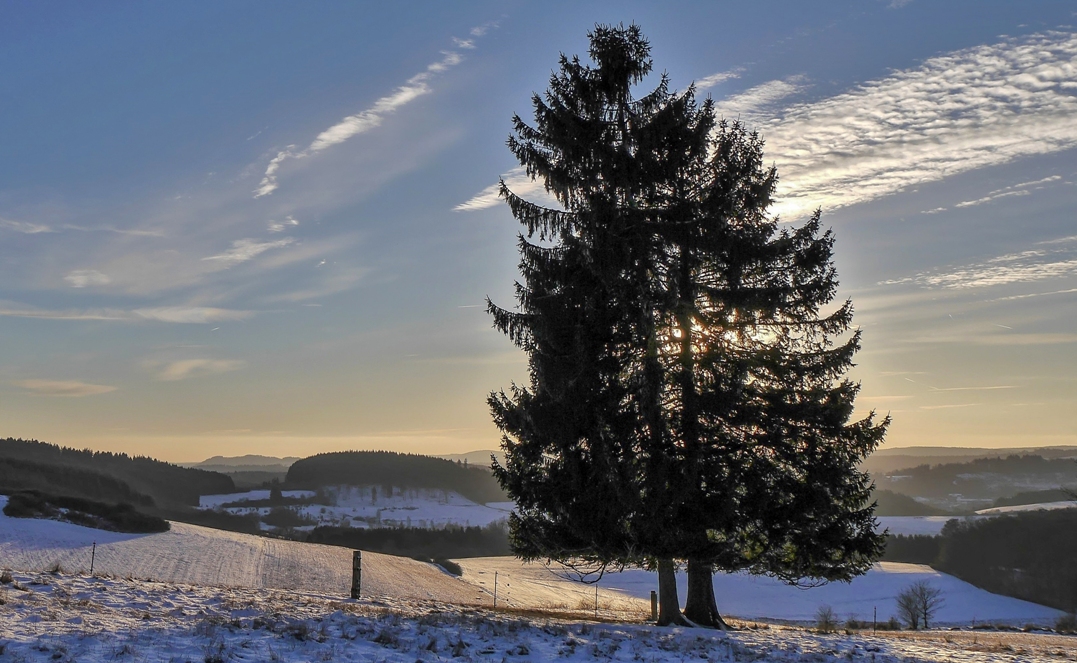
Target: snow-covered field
point(370, 506)
point(195, 594)
point(194, 555)
point(57, 617)
point(756, 597)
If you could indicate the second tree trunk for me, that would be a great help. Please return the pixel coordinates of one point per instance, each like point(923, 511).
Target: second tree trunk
point(700, 607)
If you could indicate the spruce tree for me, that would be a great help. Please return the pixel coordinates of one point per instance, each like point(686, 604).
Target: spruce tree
point(581, 438)
point(686, 399)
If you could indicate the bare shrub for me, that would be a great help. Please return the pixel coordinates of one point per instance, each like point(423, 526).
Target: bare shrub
point(918, 603)
point(1067, 623)
point(825, 620)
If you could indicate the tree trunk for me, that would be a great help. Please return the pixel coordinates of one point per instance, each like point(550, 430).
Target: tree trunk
point(700, 606)
point(669, 606)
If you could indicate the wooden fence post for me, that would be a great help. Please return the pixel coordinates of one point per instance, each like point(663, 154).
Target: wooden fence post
point(357, 573)
point(654, 606)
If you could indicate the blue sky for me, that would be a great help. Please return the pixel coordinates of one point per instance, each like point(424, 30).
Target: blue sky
point(244, 227)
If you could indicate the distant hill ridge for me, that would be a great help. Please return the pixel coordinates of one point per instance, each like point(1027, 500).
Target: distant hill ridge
point(388, 468)
point(249, 460)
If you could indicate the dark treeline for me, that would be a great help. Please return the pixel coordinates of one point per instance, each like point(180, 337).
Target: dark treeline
point(1027, 555)
point(987, 478)
point(101, 475)
point(1037, 497)
point(20, 475)
point(912, 549)
point(449, 542)
point(390, 469)
point(80, 511)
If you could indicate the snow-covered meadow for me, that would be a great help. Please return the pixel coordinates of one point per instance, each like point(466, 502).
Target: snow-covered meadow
point(58, 617)
point(194, 555)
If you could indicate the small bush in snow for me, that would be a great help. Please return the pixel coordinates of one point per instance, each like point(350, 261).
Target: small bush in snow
point(825, 621)
point(1066, 623)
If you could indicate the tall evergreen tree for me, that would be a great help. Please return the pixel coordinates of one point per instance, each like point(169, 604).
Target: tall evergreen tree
point(579, 440)
point(686, 398)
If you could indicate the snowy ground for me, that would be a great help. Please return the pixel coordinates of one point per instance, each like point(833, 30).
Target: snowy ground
point(57, 617)
point(755, 597)
point(217, 596)
point(370, 506)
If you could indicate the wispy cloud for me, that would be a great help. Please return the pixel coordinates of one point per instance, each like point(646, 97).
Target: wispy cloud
point(281, 226)
point(372, 117)
point(190, 314)
point(717, 79)
point(190, 368)
point(1056, 262)
point(992, 388)
point(948, 407)
point(759, 103)
point(246, 249)
point(69, 388)
point(81, 278)
point(24, 227)
point(1023, 189)
point(968, 109)
point(174, 314)
point(119, 231)
point(518, 181)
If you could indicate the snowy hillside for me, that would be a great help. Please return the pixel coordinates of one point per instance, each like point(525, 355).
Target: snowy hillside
point(369, 506)
point(199, 556)
point(49, 617)
point(194, 555)
point(757, 597)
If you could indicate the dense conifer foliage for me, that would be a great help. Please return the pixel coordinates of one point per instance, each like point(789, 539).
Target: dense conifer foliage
point(100, 475)
point(686, 398)
point(394, 470)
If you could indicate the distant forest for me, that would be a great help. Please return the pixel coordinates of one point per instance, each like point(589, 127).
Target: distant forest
point(103, 476)
point(390, 469)
point(425, 544)
point(984, 478)
point(1028, 555)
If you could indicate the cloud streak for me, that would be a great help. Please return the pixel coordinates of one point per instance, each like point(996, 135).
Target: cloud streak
point(717, 79)
point(965, 110)
point(353, 125)
point(64, 388)
point(24, 227)
point(518, 181)
point(190, 368)
point(172, 314)
point(82, 278)
point(247, 249)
